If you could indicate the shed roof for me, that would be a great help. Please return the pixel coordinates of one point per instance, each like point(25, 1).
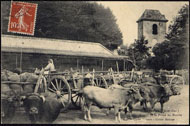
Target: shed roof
point(12, 43)
point(152, 15)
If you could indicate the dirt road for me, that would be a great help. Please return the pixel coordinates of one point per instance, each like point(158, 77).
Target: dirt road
point(176, 111)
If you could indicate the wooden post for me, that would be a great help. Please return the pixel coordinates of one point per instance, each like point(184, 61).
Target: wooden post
point(82, 70)
point(21, 59)
point(16, 61)
point(134, 61)
point(102, 65)
point(77, 63)
point(74, 82)
point(124, 65)
point(93, 76)
point(71, 69)
point(132, 74)
point(113, 75)
point(117, 66)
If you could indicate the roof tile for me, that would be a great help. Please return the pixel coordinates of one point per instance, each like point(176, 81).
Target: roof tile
point(54, 46)
point(152, 15)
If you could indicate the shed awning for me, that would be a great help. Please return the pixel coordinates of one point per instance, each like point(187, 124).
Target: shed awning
point(12, 43)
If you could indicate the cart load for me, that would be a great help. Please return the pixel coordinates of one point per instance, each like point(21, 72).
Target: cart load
point(21, 84)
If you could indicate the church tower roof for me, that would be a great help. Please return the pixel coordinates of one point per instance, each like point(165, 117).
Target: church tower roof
point(152, 15)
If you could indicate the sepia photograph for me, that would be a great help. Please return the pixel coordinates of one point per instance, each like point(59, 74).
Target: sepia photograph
point(95, 62)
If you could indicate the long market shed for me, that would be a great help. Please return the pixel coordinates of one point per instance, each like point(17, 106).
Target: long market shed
point(29, 53)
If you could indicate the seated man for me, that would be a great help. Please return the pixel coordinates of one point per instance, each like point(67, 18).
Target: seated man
point(50, 67)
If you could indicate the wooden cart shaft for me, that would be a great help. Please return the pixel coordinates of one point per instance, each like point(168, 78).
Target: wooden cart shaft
point(11, 82)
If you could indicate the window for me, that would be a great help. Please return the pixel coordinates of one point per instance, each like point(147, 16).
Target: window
point(154, 29)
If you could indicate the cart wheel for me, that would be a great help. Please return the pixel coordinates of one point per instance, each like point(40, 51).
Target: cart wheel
point(100, 82)
point(61, 88)
point(177, 80)
point(77, 100)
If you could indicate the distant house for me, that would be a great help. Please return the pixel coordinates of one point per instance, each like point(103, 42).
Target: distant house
point(152, 25)
point(31, 52)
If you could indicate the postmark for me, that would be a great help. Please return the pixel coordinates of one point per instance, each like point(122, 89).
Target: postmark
point(22, 18)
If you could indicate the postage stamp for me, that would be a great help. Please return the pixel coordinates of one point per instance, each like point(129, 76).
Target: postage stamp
point(22, 18)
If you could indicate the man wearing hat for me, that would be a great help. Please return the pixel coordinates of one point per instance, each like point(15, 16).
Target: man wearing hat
point(50, 67)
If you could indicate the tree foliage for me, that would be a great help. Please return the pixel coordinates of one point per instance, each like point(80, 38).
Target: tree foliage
point(178, 30)
point(72, 20)
point(138, 52)
point(173, 53)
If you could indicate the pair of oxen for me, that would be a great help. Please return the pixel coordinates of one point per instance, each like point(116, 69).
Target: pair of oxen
point(125, 97)
point(43, 108)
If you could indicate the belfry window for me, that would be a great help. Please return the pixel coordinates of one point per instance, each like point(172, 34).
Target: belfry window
point(154, 29)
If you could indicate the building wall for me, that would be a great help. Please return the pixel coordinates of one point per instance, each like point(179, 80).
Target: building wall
point(147, 31)
point(140, 29)
point(31, 61)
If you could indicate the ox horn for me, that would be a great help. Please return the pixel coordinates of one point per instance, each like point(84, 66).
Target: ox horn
point(43, 98)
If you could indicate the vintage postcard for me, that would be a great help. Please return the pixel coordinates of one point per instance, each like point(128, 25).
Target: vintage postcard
point(95, 62)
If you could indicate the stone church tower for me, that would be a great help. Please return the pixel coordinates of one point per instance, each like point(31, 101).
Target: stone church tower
point(152, 25)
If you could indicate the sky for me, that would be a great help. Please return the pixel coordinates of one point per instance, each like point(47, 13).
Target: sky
point(128, 12)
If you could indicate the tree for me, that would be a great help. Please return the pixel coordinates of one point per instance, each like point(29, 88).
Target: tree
point(161, 58)
point(138, 52)
point(173, 53)
point(83, 21)
point(178, 36)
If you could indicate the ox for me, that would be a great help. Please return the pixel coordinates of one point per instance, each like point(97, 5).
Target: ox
point(117, 98)
point(129, 108)
point(42, 109)
point(8, 107)
point(157, 93)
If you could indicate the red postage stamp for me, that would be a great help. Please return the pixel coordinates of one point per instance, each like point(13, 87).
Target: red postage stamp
point(22, 18)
